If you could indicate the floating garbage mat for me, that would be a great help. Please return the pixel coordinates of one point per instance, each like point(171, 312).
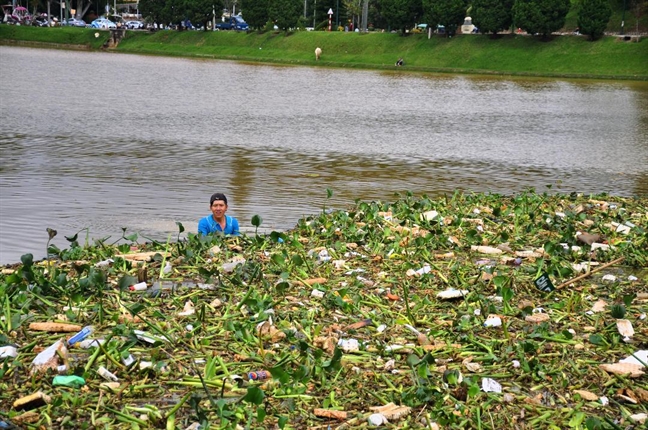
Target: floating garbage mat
point(463, 312)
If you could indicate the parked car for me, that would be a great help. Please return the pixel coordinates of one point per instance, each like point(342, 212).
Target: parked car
point(135, 25)
point(233, 23)
point(73, 22)
point(103, 24)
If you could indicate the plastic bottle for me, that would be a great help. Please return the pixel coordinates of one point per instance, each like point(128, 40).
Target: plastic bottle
point(69, 381)
point(84, 333)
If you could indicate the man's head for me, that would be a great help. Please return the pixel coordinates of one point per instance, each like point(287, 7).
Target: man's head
point(218, 206)
point(217, 196)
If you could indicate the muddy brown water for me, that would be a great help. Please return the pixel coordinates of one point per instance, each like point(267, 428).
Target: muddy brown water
point(97, 142)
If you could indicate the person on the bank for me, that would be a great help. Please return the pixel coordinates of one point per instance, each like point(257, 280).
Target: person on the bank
point(218, 222)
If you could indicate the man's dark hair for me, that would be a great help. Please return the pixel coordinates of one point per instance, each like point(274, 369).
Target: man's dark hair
point(217, 196)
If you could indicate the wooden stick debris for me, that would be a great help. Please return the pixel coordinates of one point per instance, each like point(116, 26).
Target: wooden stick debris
point(585, 275)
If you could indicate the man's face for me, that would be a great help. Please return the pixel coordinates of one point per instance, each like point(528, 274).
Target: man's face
point(218, 208)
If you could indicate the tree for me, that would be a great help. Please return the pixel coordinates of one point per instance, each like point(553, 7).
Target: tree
point(200, 11)
point(285, 13)
point(354, 8)
point(492, 16)
point(256, 13)
point(540, 16)
point(449, 13)
point(593, 17)
point(400, 14)
point(152, 9)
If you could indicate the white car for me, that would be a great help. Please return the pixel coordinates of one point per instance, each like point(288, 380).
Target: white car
point(103, 24)
point(135, 25)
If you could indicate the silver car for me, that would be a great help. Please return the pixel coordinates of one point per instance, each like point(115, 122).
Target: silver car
point(73, 22)
point(135, 25)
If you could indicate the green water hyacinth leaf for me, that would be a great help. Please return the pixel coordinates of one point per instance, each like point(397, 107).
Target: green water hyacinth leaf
point(628, 298)
point(181, 228)
point(51, 233)
point(577, 419)
point(126, 281)
point(255, 395)
point(597, 339)
point(256, 221)
point(72, 238)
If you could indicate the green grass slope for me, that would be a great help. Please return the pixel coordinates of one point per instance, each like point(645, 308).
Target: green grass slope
point(565, 56)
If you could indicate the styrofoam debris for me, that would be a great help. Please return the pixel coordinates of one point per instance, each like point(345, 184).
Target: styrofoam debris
point(629, 369)
point(639, 418)
point(604, 400)
point(8, 351)
point(599, 306)
point(105, 263)
point(146, 337)
point(609, 278)
point(317, 293)
point(493, 321)
point(349, 345)
point(625, 328)
point(188, 309)
point(601, 246)
point(429, 215)
point(486, 249)
point(381, 328)
point(451, 293)
point(639, 357)
point(490, 385)
point(145, 365)
point(377, 420)
point(48, 359)
point(90, 343)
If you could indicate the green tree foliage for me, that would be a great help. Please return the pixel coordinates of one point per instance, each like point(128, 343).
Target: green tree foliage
point(593, 17)
point(152, 10)
point(400, 14)
point(256, 13)
point(449, 13)
point(201, 11)
point(285, 13)
point(540, 16)
point(492, 16)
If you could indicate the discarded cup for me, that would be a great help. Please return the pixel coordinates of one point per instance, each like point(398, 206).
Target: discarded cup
point(138, 287)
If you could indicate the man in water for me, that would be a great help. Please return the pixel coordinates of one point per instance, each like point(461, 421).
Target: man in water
point(218, 221)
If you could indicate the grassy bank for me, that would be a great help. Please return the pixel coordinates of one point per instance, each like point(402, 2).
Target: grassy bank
point(429, 304)
point(564, 56)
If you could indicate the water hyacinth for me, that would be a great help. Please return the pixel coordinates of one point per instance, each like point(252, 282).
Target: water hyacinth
point(331, 316)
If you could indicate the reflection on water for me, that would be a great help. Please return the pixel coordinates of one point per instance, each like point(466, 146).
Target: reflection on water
point(103, 141)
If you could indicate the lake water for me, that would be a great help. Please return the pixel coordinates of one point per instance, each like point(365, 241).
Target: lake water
point(97, 142)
